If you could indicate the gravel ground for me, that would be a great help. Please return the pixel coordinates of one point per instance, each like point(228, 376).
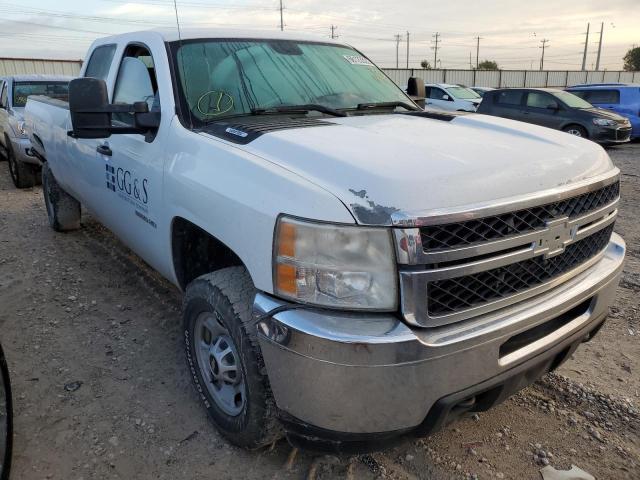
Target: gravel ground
point(92, 337)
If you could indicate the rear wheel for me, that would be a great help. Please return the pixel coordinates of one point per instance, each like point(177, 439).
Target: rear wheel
point(576, 130)
point(62, 209)
point(224, 357)
point(22, 175)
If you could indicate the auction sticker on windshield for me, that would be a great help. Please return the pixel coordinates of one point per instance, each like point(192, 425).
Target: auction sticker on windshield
point(358, 60)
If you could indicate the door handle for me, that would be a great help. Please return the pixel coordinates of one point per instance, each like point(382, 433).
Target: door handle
point(104, 150)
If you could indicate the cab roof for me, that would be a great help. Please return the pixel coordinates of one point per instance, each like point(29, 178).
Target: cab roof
point(171, 34)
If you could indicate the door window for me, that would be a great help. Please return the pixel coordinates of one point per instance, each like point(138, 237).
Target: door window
point(511, 98)
point(136, 82)
point(437, 93)
point(603, 96)
point(100, 62)
point(541, 100)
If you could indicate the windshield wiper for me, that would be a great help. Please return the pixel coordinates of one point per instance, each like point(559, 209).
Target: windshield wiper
point(298, 109)
point(372, 105)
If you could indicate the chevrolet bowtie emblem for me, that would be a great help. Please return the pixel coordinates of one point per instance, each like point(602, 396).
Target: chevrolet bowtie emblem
point(555, 238)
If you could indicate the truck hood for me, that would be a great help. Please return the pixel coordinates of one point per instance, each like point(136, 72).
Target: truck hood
point(379, 165)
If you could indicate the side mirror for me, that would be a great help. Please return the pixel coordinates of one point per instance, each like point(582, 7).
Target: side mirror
point(446, 97)
point(91, 111)
point(553, 106)
point(416, 90)
point(88, 102)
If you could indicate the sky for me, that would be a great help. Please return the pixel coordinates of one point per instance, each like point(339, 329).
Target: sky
point(510, 31)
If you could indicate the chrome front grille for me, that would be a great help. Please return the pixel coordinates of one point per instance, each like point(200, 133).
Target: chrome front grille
point(513, 223)
point(460, 264)
point(456, 294)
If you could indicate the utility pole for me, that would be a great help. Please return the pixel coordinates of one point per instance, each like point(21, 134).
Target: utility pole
point(470, 64)
point(586, 44)
point(281, 17)
point(398, 37)
point(435, 49)
point(333, 31)
point(599, 47)
point(544, 42)
point(478, 38)
point(407, 49)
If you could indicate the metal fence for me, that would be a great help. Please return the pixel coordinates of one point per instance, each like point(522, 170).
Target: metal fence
point(511, 78)
point(21, 66)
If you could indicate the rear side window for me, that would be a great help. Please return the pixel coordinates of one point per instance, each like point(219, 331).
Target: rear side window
point(603, 96)
point(509, 97)
point(100, 62)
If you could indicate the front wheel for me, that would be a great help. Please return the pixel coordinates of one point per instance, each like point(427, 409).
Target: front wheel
point(576, 130)
point(224, 357)
point(22, 175)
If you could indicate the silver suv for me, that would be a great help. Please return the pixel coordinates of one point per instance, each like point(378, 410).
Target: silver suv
point(15, 147)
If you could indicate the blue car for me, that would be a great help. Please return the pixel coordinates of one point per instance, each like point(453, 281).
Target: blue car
point(622, 98)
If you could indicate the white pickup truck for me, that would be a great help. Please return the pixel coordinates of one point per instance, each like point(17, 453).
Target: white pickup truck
point(354, 268)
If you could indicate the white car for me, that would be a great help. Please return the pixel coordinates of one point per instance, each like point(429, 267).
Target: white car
point(352, 270)
point(443, 96)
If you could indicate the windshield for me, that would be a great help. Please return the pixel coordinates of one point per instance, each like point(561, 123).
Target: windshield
point(463, 93)
point(223, 78)
point(22, 90)
point(572, 100)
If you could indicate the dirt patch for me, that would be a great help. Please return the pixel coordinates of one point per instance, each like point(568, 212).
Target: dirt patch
point(92, 337)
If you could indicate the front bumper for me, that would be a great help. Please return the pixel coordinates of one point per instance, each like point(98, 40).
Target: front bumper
point(352, 376)
point(21, 149)
point(618, 134)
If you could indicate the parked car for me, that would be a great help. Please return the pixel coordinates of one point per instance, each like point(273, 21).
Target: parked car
point(442, 96)
point(352, 270)
point(24, 168)
point(557, 109)
point(15, 146)
point(481, 90)
point(622, 98)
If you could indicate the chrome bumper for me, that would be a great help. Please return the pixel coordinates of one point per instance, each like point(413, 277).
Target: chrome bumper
point(369, 373)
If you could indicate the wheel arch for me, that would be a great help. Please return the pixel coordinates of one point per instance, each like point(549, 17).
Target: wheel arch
point(195, 252)
point(576, 124)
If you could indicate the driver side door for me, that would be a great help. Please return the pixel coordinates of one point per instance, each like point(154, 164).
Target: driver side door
point(438, 98)
point(132, 164)
point(543, 109)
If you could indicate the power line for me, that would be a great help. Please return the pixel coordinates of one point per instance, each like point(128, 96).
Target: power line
point(599, 47)
point(544, 42)
point(478, 38)
point(435, 49)
point(407, 49)
point(586, 44)
point(397, 37)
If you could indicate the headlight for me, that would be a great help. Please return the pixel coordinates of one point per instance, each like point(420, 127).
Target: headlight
point(21, 130)
point(334, 265)
point(604, 122)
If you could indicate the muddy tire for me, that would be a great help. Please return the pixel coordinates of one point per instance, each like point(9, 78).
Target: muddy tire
point(224, 357)
point(22, 174)
point(62, 209)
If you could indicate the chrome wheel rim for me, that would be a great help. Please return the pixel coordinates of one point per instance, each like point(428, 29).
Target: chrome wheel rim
point(575, 132)
point(219, 364)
